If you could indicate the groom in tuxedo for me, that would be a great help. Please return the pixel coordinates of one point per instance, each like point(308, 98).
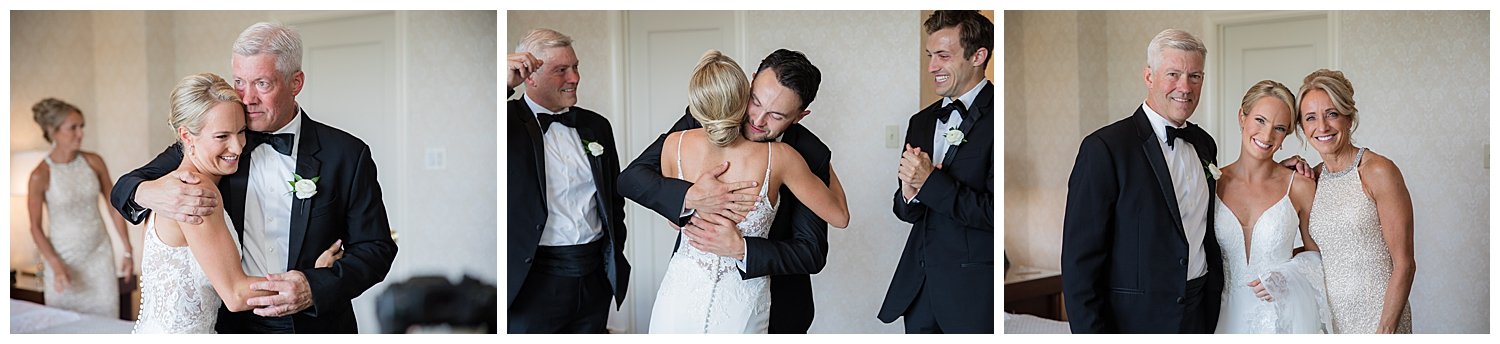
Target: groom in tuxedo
point(566, 242)
point(797, 246)
point(282, 232)
point(1139, 253)
point(945, 280)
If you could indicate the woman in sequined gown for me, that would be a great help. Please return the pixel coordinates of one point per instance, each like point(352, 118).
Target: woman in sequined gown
point(76, 250)
point(1260, 221)
point(703, 292)
point(1361, 215)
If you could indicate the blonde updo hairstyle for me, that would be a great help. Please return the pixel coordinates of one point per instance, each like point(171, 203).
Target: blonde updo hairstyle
point(1270, 88)
point(50, 113)
point(718, 95)
point(1339, 90)
point(194, 96)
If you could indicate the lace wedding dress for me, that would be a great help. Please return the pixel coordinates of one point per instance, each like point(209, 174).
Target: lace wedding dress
point(176, 296)
point(703, 292)
point(77, 234)
point(1295, 283)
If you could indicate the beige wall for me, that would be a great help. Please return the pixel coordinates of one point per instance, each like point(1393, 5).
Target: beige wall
point(866, 59)
point(1423, 93)
point(122, 75)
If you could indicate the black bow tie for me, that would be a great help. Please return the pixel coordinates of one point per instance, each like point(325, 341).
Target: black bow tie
point(1174, 133)
point(567, 118)
point(282, 142)
point(956, 105)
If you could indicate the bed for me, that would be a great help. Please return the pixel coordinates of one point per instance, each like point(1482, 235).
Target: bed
point(1026, 323)
point(31, 317)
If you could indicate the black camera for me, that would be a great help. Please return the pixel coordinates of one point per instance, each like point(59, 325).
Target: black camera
point(433, 304)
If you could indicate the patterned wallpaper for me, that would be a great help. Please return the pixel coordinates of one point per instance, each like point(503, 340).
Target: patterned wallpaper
point(1421, 86)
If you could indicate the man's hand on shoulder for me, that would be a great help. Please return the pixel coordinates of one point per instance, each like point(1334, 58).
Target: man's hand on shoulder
point(179, 195)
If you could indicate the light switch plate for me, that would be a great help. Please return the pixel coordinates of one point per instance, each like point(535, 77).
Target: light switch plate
point(892, 136)
point(436, 159)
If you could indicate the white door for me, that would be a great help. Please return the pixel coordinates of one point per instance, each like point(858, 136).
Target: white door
point(1281, 48)
point(662, 47)
point(350, 61)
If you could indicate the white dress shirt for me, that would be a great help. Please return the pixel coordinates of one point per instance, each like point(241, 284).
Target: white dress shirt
point(939, 139)
point(1189, 182)
point(572, 217)
point(940, 130)
point(268, 204)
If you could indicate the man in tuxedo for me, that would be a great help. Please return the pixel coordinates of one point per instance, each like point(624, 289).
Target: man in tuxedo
point(797, 246)
point(282, 232)
point(945, 280)
point(1139, 253)
point(566, 247)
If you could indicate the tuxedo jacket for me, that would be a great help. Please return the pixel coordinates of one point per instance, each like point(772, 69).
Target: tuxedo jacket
point(348, 207)
point(796, 247)
point(950, 253)
point(1125, 256)
point(527, 195)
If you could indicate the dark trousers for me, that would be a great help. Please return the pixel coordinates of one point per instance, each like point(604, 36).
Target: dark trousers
point(921, 319)
point(248, 322)
point(567, 291)
point(1193, 317)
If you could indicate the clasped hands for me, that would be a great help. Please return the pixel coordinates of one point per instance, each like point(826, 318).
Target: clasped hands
point(916, 166)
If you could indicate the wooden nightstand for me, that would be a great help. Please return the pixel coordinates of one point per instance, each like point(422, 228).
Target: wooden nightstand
point(1034, 291)
point(28, 286)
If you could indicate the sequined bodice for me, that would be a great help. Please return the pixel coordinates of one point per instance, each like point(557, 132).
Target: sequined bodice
point(1346, 226)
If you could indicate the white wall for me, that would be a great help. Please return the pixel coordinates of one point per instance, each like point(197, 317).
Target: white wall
point(1422, 90)
point(870, 62)
point(122, 76)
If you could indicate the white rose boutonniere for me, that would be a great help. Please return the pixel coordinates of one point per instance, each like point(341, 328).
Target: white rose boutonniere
point(304, 188)
point(955, 137)
point(593, 147)
point(1212, 170)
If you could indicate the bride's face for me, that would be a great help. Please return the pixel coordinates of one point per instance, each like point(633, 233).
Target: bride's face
point(216, 148)
point(1265, 127)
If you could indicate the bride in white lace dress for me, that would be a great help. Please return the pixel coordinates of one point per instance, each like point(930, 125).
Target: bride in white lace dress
point(187, 270)
point(703, 292)
point(1260, 220)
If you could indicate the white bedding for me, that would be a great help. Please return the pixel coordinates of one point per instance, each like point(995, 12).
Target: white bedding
point(1026, 323)
point(29, 317)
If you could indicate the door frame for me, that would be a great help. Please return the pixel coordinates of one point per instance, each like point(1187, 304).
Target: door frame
point(630, 128)
point(1216, 22)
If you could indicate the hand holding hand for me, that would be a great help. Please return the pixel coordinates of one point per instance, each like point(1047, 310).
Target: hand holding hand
point(715, 234)
point(179, 195)
point(709, 195)
point(292, 295)
point(521, 65)
point(916, 165)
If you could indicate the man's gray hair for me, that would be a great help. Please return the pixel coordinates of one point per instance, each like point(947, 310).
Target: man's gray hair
point(540, 39)
point(1175, 39)
point(276, 39)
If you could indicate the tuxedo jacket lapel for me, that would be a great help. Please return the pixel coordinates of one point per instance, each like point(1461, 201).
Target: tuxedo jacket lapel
point(965, 127)
point(308, 166)
point(1159, 167)
point(587, 133)
point(534, 131)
